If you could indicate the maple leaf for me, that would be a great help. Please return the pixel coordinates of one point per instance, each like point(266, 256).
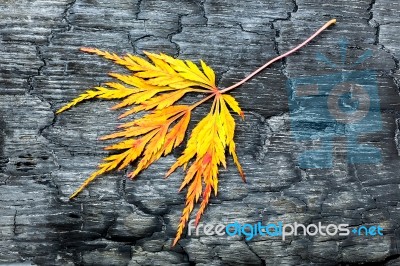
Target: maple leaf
point(154, 87)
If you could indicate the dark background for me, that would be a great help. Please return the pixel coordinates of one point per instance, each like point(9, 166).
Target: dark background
point(44, 158)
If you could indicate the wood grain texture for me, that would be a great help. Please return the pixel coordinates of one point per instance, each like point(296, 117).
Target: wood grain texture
point(44, 158)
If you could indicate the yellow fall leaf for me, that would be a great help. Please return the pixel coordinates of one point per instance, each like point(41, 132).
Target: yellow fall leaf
point(154, 87)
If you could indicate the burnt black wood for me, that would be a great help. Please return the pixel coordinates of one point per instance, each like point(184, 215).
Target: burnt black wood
point(116, 221)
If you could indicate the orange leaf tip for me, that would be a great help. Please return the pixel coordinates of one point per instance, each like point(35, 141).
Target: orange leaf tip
point(122, 115)
point(87, 49)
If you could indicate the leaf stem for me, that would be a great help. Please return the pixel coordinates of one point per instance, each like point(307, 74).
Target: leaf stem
point(330, 22)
